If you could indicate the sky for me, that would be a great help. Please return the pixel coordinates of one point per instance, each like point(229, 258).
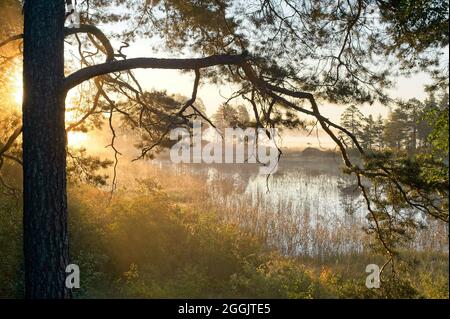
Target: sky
point(176, 82)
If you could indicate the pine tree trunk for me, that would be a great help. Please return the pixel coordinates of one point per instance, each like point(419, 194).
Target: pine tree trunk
point(46, 250)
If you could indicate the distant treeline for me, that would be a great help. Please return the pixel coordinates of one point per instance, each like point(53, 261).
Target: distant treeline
point(410, 126)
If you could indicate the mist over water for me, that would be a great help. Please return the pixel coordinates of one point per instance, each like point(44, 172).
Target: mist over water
point(308, 207)
point(303, 201)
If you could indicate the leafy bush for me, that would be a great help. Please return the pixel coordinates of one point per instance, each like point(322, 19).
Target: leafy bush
point(146, 243)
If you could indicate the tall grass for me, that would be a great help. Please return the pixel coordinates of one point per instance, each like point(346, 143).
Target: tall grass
point(301, 215)
point(175, 233)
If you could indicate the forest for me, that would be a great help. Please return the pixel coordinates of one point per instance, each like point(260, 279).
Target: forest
point(91, 90)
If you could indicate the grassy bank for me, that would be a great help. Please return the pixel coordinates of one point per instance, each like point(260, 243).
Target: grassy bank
point(152, 242)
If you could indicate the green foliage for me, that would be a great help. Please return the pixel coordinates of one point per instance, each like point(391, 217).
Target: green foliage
point(11, 272)
point(406, 166)
point(147, 244)
point(415, 26)
point(437, 117)
point(332, 49)
point(412, 125)
point(85, 168)
point(156, 249)
point(278, 278)
point(351, 119)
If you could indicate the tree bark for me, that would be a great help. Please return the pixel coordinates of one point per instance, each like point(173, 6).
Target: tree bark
point(46, 251)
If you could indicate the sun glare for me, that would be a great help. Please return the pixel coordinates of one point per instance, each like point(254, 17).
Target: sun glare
point(17, 88)
point(73, 138)
point(77, 138)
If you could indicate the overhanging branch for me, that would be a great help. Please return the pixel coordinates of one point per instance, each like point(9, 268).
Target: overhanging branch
point(11, 140)
point(11, 39)
point(90, 72)
point(96, 32)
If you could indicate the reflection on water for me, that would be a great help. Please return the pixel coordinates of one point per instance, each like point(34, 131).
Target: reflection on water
point(318, 194)
point(315, 186)
point(309, 207)
point(300, 209)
